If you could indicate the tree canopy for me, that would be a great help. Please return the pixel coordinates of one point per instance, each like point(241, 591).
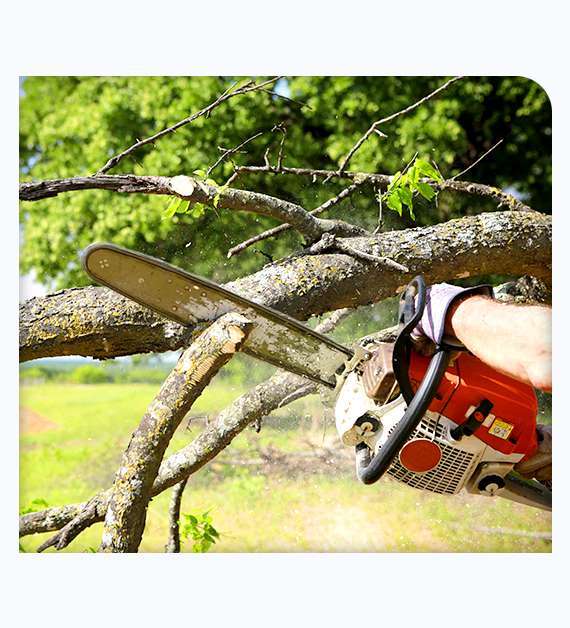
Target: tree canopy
point(323, 117)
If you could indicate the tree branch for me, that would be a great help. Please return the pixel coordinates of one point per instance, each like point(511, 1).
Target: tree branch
point(126, 512)
point(249, 87)
point(196, 191)
point(258, 402)
point(270, 233)
point(96, 322)
point(374, 127)
point(173, 545)
point(383, 180)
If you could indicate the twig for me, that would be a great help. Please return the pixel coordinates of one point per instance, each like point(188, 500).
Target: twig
point(281, 145)
point(288, 98)
point(375, 259)
point(329, 241)
point(231, 151)
point(476, 162)
point(374, 127)
point(230, 93)
point(285, 227)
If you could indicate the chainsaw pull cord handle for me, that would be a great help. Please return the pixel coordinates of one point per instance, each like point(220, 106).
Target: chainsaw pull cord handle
point(370, 470)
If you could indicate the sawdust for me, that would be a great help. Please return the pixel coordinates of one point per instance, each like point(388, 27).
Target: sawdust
point(31, 422)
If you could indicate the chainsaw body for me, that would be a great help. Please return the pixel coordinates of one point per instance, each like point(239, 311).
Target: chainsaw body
point(463, 424)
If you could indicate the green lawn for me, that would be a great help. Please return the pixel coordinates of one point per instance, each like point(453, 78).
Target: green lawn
point(78, 449)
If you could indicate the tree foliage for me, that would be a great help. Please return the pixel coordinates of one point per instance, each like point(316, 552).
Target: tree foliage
point(71, 125)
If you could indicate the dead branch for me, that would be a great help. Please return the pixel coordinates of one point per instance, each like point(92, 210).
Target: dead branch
point(95, 322)
point(173, 545)
point(251, 86)
point(126, 511)
point(374, 128)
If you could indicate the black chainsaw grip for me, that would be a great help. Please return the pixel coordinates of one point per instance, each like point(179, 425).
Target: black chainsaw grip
point(370, 471)
point(411, 308)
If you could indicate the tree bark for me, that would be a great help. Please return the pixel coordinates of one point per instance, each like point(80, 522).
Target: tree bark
point(95, 322)
point(173, 545)
point(126, 512)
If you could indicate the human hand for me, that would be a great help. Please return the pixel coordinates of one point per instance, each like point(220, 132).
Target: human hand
point(439, 299)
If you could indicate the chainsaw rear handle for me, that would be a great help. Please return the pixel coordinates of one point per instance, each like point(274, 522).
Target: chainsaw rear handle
point(412, 304)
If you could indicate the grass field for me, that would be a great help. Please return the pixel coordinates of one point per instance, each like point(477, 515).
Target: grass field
point(72, 437)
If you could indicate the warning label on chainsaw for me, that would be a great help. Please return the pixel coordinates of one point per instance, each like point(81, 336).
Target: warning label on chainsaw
point(501, 429)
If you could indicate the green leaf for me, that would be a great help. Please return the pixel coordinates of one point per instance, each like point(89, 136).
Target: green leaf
point(192, 519)
point(197, 211)
point(183, 207)
point(427, 170)
point(425, 190)
point(211, 182)
point(413, 175)
point(200, 173)
point(393, 201)
point(172, 208)
point(406, 196)
point(395, 181)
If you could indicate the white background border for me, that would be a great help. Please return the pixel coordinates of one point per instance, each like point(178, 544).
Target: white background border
point(326, 38)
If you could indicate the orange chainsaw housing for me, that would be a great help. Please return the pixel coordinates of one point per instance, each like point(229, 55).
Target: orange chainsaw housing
point(510, 428)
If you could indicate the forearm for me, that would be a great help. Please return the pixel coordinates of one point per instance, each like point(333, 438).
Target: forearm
point(516, 340)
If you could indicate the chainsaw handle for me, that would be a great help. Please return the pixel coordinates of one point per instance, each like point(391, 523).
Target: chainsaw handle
point(410, 312)
point(411, 309)
point(370, 471)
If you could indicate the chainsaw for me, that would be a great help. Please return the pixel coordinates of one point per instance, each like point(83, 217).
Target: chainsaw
point(443, 423)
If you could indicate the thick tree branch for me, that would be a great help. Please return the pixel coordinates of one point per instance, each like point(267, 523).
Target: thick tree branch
point(95, 322)
point(249, 87)
point(196, 191)
point(126, 512)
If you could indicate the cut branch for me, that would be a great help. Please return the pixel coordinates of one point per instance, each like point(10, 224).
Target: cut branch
point(249, 87)
point(126, 512)
point(95, 322)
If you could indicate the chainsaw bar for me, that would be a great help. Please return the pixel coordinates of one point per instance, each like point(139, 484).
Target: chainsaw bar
point(189, 299)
